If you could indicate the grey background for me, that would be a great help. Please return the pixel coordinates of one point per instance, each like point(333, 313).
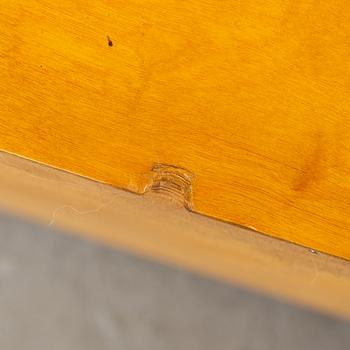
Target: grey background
point(61, 292)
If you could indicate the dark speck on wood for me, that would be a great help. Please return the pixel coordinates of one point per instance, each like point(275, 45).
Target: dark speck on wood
point(110, 42)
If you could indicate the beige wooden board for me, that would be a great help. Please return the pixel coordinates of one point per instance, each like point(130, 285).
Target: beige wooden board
point(157, 227)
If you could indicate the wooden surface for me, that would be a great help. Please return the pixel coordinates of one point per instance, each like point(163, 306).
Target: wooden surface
point(156, 227)
point(250, 100)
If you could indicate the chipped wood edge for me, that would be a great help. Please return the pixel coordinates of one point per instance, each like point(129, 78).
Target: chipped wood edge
point(153, 226)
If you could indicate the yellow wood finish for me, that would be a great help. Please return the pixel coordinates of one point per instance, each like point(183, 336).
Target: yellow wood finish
point(251, 97)
point(160, 229)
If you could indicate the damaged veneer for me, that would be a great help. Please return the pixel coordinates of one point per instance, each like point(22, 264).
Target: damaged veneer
point(173, 182)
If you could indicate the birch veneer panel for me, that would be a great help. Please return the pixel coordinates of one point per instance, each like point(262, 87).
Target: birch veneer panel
point(240, 109)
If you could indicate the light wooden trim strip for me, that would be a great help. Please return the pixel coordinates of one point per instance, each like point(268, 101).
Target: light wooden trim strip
point(153, 226)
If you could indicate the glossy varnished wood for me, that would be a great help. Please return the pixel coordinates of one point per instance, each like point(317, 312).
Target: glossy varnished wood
point(252, 98)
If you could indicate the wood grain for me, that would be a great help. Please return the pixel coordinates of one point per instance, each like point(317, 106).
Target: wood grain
point(251, 97)
point(155, 227)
